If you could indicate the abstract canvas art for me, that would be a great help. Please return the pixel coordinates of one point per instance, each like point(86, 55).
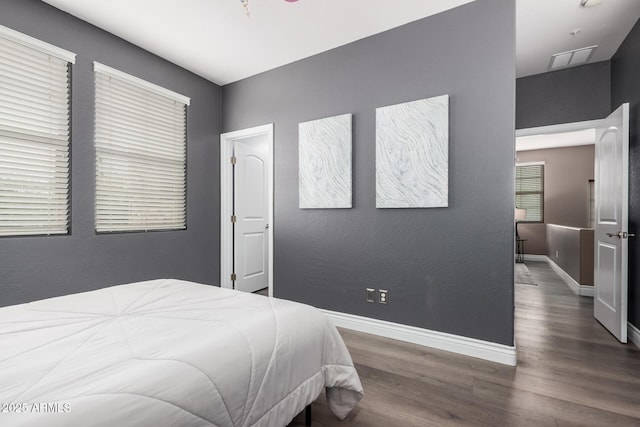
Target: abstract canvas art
point(325, 163)
point(412, 154)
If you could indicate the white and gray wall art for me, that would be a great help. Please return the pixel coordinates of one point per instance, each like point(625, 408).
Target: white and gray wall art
point(412, 154)
point(325, 163)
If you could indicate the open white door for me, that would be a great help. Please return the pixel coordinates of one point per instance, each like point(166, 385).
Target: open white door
point(246, 209)
point(611, 228)
point(251, 211)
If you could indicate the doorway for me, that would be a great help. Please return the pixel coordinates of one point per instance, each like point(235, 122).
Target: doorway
point(555, 168)
point(608, 267)
point(246, 209)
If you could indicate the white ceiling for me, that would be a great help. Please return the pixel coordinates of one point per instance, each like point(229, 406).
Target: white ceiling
point(214, 38)
point(543, 28)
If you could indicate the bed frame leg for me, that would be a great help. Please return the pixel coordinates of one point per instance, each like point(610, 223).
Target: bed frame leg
point(307, 415)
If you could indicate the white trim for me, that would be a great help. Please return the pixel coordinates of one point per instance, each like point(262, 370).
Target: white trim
point(566, 227)
point(533, 257)
point(577, 288)
point(226, 200)
point(226, 210)
point(530, 163)
point(624, 244)
point(36, 44)
point(117, 74)
point(564, 127)
point(485, 350)
point(633, 334)
point(545, 141)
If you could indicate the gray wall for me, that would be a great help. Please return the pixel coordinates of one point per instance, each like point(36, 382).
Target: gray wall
point(571, 95)
point(39, 267)
point(567, 172)
point(625, 87)
point(448, 269)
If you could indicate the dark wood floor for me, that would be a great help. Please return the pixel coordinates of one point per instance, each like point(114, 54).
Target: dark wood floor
point(571, 372)
point(264, 292)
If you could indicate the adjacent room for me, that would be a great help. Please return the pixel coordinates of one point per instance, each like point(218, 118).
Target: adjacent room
point(288, 212)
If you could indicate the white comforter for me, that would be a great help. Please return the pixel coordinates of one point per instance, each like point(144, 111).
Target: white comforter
point(169, 353)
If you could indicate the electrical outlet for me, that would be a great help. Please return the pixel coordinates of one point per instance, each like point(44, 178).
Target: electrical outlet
point(371, 295)
point(556, 254)
point(383, 296)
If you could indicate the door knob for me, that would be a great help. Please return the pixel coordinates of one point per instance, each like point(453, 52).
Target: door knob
point(266, 226)
point(617, 234)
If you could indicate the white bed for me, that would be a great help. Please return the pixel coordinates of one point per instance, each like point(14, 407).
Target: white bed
point(169, 353)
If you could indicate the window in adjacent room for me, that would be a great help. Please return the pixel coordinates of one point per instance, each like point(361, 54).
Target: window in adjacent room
point(34, 136)
point(530, 190)
point(140, 140)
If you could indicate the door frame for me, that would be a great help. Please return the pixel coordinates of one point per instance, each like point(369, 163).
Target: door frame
point(548, 130)
point(558, 128)
point(570, 127)
point(226, 200)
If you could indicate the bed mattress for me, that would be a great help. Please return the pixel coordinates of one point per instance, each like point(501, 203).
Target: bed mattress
point(169, 353)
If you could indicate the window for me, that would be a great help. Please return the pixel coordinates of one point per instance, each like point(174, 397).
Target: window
point(140, 139)
point(34, 136)
point(530, 190)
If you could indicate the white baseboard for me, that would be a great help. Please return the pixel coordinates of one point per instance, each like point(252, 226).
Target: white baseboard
point(532, 257)
point(486, 350)
point(577, 288)
point(633, 334)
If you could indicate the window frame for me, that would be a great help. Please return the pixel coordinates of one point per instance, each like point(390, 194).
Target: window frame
point(50, 147)
point(132, 206)
point(541, 192)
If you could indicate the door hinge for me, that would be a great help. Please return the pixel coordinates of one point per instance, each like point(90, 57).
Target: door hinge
point(234, 160)
point(233, 277)
point(233, 219)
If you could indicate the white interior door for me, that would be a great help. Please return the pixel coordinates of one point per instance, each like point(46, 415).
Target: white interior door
point(251, 210)
point(611, 225)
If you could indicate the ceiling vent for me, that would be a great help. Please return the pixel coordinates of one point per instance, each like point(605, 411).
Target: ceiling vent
point(571, 57)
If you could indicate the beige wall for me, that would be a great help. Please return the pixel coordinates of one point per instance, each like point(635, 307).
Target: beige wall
point(572, 250)
point(567, 172)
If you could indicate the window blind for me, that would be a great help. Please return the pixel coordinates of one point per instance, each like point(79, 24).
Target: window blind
point(530, 191)
point(34, 136)
point(140, 140)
